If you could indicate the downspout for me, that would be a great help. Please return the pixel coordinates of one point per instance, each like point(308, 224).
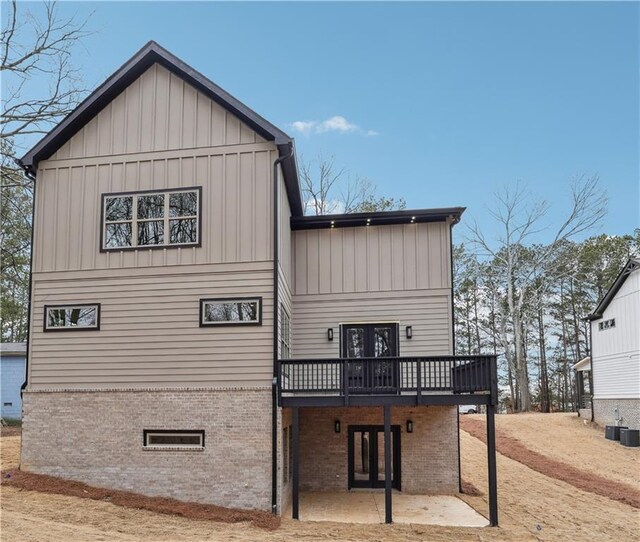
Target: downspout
point(453, 345)
point(30, 175)
point(276, 293)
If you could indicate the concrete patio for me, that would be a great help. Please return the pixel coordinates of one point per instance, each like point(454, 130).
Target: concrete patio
point(364, 506)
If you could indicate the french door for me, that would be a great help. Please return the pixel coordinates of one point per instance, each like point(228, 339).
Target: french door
point(366, 456)
point(368, 345)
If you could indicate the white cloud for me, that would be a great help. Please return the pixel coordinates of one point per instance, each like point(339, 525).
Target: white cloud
point(303, 126)
point(337, 123)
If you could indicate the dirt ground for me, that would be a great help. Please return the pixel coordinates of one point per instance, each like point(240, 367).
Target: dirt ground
point(586, 449)
point(532, 506)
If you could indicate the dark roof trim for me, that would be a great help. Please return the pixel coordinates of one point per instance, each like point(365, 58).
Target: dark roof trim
point(129, 72)
point(631, 266)
point(382, 218)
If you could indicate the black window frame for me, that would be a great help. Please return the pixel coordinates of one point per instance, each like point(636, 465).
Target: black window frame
point(134, 234)
point(240, 323)
point(147, 432)
point(47, 329)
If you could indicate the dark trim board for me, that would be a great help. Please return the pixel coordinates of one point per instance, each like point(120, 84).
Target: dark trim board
point(46, 329)
point(382, 400)
point(381, 218)
point(238, 323)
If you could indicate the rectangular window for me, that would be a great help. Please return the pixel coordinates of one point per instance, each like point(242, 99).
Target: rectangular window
point(155, 219)
point(173, 439)
point(232, 311)
point(285, 333)
point(72, 317)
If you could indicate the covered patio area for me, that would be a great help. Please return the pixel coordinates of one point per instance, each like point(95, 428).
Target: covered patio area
point(368, 507)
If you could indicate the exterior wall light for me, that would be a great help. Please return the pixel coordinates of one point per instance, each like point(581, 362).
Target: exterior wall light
point(409, 426)
point(409, 332)
point(330, 334)
point(336, 426)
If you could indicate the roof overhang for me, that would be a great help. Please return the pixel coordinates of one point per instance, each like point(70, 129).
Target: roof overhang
point(150, 54)
point(13, 349)
point(583, 365)
point(631, 266)
point(382, 218)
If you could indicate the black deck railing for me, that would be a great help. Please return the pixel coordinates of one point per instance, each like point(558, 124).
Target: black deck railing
point(388, 376)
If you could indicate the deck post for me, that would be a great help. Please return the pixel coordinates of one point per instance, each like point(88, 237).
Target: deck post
point(491, 462)
point(387, 465)
point(295, 470)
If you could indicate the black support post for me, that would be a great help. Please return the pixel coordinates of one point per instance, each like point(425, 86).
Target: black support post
point(295, 470)
point(491, 461)
point(388, 516)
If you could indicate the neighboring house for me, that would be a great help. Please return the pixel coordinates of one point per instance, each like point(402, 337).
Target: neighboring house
point(615, 351)
point(193, 335)
point(584, 386)
point(12, 374)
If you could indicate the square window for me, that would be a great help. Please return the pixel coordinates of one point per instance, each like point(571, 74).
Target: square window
point(150, 233)
point(150, 206)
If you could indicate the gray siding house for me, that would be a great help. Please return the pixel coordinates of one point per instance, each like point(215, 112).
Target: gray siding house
point(12, 372)
point(193, 335)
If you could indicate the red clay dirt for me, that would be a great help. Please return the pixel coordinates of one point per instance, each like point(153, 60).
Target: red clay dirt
point(514, 449)
point(50, 484)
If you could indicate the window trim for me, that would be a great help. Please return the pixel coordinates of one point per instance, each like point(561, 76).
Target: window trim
point(47, 329)
point(258, 322)
point(147, 432)
point(103, 225)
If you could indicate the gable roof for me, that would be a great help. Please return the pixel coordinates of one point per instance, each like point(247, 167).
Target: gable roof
point(150, 54)
point(632, 265)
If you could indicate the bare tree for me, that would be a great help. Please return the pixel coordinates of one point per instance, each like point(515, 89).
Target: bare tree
point(519, 218)
point(327, 189)
point(40, 87)
point(37, 51)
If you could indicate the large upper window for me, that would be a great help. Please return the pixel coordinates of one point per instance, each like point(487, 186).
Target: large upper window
point(71, 317)
point(285, 333)
point(151, 219)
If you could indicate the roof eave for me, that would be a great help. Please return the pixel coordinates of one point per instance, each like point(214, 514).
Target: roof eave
point(382, 218)
point(127, 73)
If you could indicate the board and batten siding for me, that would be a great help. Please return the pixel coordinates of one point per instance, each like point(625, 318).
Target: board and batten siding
point(159, 111)
point(372, 259)
point(149, 329)
point(398, 273)
point(616, 351)
point(236, 206)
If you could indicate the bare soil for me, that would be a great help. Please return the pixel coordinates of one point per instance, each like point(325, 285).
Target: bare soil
point(533, 507)
point(570, 440)
point(587, 481)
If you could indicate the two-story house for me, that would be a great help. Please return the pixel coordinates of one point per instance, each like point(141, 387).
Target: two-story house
point(193, 335)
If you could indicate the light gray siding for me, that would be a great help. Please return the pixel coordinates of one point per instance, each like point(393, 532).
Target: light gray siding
point(616, 351)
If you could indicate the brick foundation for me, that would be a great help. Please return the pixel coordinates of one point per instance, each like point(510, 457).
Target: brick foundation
point(429, 454)
point(629, 410)
point(96, 437)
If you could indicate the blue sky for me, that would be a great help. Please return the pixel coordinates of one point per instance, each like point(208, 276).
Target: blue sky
point(441, 103)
